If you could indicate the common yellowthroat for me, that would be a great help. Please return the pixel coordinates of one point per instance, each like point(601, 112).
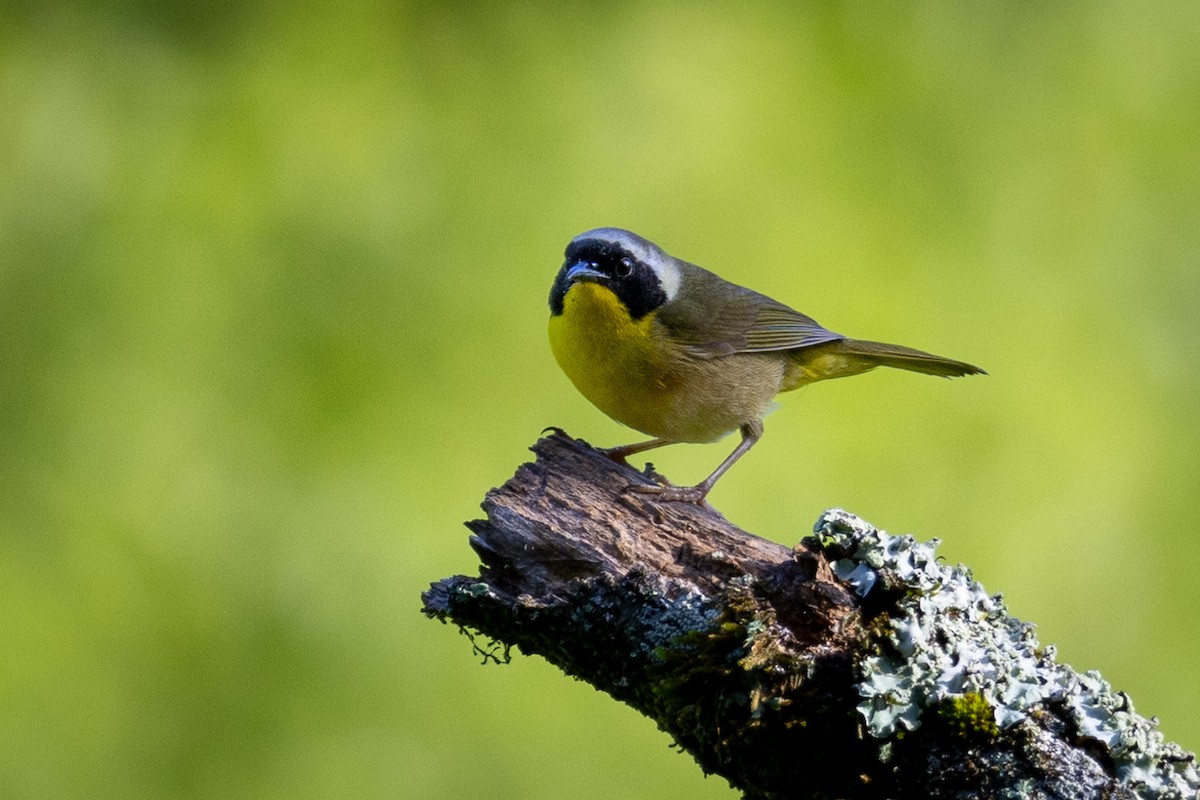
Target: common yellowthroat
point(678, 353)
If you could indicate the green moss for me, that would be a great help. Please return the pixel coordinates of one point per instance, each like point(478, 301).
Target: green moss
point(968, 715)
point(740, 651)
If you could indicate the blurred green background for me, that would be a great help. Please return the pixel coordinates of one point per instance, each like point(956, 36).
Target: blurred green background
point(273, 285)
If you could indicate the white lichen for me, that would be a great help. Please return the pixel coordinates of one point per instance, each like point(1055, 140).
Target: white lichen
point(949, 637)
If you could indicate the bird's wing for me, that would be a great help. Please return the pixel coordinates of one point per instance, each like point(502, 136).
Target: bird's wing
point(779, 327)
point(713, 317)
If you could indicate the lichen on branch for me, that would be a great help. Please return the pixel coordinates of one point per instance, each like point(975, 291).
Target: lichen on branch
point(855, 665)
point(950, 645)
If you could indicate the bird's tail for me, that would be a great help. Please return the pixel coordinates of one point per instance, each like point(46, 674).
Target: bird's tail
point(844, 357)
point(894, 355)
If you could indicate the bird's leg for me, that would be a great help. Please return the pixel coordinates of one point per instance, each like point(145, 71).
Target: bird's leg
point(619, 454)
point(751, 432)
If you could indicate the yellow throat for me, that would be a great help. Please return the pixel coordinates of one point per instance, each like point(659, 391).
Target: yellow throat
point(611, 358)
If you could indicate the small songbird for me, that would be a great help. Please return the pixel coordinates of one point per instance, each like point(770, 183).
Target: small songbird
point(678, 353)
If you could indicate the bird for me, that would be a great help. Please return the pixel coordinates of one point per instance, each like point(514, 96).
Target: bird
point(682, 355)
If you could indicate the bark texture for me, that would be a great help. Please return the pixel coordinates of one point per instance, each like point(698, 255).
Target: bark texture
point(792, 672)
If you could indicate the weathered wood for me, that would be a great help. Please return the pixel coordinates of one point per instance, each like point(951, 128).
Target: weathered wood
point(776, 673)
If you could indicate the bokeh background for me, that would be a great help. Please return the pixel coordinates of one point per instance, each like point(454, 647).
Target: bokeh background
point(273, 285)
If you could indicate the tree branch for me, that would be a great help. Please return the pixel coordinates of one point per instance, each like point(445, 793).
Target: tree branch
point(852, 666)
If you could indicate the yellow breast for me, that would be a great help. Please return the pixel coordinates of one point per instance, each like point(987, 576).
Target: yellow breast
point(612, 359)
point(631, 371)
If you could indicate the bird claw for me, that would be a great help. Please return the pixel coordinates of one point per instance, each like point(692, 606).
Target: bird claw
point(616, 454)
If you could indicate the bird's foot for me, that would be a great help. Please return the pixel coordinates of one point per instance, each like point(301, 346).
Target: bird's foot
point(616, 454)
point(620, 456)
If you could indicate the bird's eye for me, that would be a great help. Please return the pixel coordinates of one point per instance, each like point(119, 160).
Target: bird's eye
point(624, 268)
